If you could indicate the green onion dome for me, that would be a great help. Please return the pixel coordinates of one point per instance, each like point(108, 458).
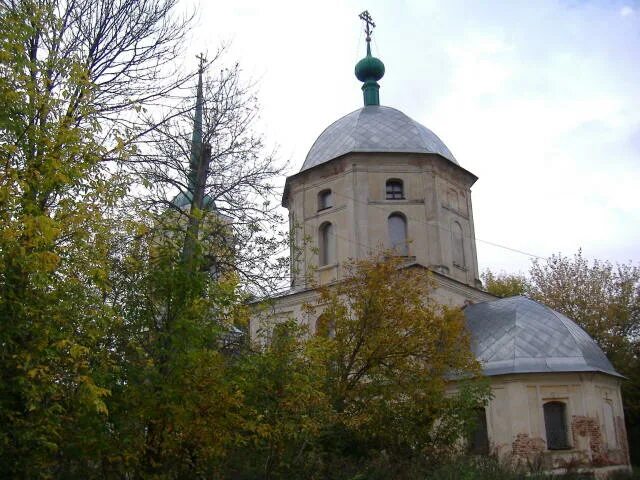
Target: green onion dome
point(369, 69)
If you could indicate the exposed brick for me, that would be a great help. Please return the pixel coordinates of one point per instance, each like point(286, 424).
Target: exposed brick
point(525, 446)
point(588, 427)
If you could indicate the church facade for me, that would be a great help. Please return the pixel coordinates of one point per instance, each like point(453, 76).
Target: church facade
point(377, 179)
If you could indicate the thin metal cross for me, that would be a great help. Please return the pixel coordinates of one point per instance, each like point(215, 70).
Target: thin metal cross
point(368, 23)
point(202, 60)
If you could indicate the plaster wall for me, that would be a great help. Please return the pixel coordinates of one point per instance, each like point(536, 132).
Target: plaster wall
point(295, 306)
point(437, 193)
point(516, 427)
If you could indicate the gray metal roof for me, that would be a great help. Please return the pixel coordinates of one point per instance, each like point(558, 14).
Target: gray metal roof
point(519, 335)
point(182, 200)
point(374, 128)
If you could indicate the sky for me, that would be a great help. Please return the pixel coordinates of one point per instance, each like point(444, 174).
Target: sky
point(540, 99)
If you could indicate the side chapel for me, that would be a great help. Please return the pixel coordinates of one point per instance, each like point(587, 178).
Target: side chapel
point(377, 178)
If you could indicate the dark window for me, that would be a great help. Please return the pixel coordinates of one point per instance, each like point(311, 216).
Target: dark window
point(398, 234)
point(325, 199)
point(479, 440)
point(327, 244)
point(555, 423)
point(395, 190)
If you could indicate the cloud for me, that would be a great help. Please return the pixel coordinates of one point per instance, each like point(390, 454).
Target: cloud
point(537, 98)
point(626, 11)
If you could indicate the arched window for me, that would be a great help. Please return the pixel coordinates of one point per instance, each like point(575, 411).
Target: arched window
point(325, 200)
point(397, 224)
point(479, 440)
point(457, 240)
point(395, 189)
point(327, 244)
point(555, 424)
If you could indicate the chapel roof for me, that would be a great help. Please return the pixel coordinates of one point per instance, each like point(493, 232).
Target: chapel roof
point(520, 335)
point(374, 128)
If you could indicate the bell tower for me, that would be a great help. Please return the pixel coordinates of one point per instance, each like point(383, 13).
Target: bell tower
point(378, 180)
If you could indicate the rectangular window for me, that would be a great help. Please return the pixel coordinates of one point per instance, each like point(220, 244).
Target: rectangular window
point(479, 441)
point(325, 200)
point(555, 422)
point(395, 190)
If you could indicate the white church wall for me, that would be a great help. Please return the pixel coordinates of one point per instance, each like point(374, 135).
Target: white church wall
point(360, 212)
point(517, 430)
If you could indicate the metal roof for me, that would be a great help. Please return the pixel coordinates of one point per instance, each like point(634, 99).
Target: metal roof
point(374, 128)
point(182, 200)
point(520, 335)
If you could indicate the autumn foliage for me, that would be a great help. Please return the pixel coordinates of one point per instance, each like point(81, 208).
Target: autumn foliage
point(390, 351)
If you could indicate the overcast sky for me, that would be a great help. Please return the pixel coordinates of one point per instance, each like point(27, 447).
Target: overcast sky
point(540, 99)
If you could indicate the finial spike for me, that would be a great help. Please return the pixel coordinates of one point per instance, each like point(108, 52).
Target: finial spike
point(196, 138)
point(370, 69)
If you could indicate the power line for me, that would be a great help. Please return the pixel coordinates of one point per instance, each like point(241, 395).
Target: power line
point(443, 227)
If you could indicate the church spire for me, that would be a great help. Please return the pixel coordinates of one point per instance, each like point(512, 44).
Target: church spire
point(370, 69)
point(196, 137)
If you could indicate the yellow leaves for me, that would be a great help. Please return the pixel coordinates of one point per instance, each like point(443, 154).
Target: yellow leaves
point(78, 351)
point(92, 395)
point(387, 341)
point(48, 261)
point(39, 230)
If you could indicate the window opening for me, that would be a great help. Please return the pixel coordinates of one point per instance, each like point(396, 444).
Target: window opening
point(327, 244)
point(325, 327)
point(395, 190)
point(555, 423)
point(452, 199)
point(479, 440)
point(397, 224)
point(325, 200)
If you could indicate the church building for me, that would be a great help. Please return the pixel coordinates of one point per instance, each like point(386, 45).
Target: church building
point(376, 178)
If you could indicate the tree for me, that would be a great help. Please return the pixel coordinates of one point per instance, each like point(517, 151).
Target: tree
point(177, 308)
point(284, 411)
point(72, 74)
point(392, 354)
point(602, 298)
point(241, 208)
point(504, 284)
point(175, 410)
